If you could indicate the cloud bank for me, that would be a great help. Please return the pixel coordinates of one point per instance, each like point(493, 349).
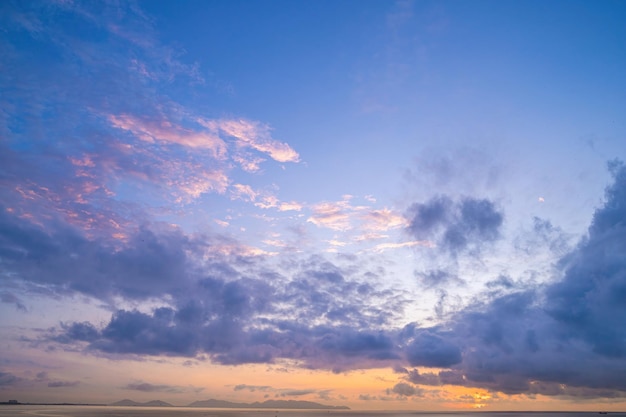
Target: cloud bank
point(565, 338)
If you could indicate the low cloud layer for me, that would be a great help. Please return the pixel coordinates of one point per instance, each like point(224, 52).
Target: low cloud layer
point(147, 387)
point(532, 341)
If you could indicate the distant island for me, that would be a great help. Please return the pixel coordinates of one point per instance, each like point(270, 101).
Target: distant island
point(15, 402)
point(303, 405)
point(212, 403)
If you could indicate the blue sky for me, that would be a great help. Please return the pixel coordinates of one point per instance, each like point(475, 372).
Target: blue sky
point(413, 205)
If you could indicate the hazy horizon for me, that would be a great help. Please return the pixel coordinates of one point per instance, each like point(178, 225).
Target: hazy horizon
point(96, 411)
point(411, 204)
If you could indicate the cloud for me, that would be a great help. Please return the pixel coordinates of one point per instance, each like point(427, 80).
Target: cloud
point(451, 171)
point(252, 388)
point(343, 216)
point(129, 143)
point(243, 192)
point(165, 131)
point(261, 199)
point(63, 384)
point(501, 282)
point(456, 227)
point(253, 135)
point(290, 206)
point(332, 215)
point(565, 338)
point(84, 332)
point(431, 350)
point(239, 320)
point(149, 265)
point(427, 378)
point(10, 298)
point(519, 342)
point(283, 392)
point(382, 220)
point(146, 387)
point(87, 161)
point(248, 163)
point(7, 379)
point(405, 390)
point(590, 299)
point(385, 246)
point(320, 314)
point(297, 393)
point(438, 278)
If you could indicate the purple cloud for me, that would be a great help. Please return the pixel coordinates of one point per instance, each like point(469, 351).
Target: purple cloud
point(457, 227)
point(525, 341)
point(62, 384)
point(564, 339)
point(7, 379)
point(146, 387)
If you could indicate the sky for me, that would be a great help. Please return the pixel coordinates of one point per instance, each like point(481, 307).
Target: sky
point(385, 205)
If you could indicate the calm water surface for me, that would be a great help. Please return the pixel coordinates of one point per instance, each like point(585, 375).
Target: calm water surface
point(104, 411)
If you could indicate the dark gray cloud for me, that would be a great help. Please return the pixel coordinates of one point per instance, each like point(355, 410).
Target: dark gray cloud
point(438, 278)
point(83, 332)
point(252, 388)
point(297, 392)
point(150, 264)
point(455, 226)
point(63, 384)
point(162, 332)
point(7, 379)
point(427, 378)
point(405, 390)
point(427, 218)
point(10, 298)
point(590, 301)
point(282, 392)
point(146, 387)
point(429, 348)
point(503, 282)
point(233, 318)
point(566, 338)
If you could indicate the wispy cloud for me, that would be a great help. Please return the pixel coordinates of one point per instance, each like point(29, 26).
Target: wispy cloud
point(382, 220)
point(385, 246)
point(342, 215)
point(165, 131)
point(141, 149)
point(254, 135)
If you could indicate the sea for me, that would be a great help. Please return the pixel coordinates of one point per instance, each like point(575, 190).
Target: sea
point(108, 411)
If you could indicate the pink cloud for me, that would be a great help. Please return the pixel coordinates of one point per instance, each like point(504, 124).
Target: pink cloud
point(332, 215)
point(382, 220)
point(164, 131)
point(255, 135)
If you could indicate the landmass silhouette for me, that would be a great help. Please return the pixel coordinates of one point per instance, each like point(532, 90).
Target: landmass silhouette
point(213, 403)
